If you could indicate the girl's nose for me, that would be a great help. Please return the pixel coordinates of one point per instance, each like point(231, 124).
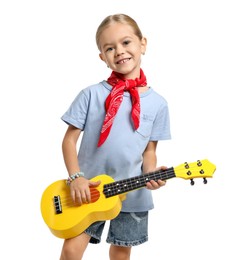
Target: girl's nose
point(119, 51)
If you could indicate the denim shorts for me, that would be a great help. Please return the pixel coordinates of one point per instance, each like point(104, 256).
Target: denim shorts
point(127, 229)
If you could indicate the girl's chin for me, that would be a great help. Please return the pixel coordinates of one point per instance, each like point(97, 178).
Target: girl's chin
point(129, 73)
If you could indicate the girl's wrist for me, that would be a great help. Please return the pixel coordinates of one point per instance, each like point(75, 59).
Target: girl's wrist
point(74, 176)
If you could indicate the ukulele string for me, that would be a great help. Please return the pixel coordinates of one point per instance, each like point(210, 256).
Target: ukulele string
point(140, 181)
point(133, 183)
point(67, 200)
point(137, 182)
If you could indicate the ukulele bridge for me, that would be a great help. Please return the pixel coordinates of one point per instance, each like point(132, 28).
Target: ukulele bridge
point(57, 204)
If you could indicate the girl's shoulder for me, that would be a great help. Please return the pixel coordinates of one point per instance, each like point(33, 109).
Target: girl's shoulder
point(97, 88)
point(153, 95)
point(94, 92)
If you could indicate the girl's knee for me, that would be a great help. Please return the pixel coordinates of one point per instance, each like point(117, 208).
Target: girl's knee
point(119, 253)
point(70, 252)
point(74, 248)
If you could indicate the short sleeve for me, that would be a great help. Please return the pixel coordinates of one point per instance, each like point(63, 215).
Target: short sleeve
point(161, 125)
point(76, 114)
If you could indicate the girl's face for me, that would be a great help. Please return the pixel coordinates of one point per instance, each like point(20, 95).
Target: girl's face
point(121, 49)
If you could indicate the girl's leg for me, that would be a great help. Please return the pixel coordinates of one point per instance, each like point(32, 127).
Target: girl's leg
point(127, 230)
point(119, 252)
point(74, 248)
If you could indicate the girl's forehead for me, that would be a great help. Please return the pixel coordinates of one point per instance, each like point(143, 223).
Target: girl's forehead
point(117, 27)
point(117, 30)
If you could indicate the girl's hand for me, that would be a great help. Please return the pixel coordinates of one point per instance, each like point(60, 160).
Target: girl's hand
point(154, 185)
point(80, 190)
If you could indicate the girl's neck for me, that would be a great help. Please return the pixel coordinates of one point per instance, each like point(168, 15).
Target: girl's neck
point(142, 89)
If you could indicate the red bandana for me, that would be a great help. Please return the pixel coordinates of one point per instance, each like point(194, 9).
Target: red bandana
point(113, 101)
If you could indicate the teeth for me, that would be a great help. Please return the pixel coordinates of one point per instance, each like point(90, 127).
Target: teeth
point(123, 61)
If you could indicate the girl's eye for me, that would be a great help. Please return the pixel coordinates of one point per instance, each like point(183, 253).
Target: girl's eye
point(109, 49)
point(126, 42)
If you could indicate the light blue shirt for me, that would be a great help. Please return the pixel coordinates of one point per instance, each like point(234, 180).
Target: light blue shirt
point(120, 156)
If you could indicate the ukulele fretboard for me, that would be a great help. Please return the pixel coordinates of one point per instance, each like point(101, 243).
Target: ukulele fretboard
point(123, 186)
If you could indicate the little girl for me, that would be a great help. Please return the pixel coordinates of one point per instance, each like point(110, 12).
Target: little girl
point(121, 120)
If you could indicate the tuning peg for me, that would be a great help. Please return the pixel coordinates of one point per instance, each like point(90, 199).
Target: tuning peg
point(204, 180)
point(186, 165)
point(192, 182)
point(199, 163)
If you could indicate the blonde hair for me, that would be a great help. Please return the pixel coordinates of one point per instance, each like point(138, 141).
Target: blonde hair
point(117, 18)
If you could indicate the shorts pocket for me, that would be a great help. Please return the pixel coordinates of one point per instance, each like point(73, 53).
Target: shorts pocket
point(139, 216)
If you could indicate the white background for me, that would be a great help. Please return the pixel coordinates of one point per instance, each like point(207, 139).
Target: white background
point(48, 54)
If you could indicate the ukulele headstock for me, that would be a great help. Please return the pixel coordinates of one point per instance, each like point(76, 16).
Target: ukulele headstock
point(199, 169)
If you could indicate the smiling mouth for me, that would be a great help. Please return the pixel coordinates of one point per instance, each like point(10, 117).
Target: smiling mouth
point(123, 61)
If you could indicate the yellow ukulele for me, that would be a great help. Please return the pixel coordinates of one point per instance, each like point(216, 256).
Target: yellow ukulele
point(66, 220)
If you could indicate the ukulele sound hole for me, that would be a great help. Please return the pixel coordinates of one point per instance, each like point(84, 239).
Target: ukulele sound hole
point(95, 194)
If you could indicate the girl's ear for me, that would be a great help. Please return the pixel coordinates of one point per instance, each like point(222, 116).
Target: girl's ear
point(143, 45)
point(101, 57)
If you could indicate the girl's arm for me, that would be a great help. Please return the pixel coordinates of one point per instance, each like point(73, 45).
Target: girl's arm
point(149, 157)
point(69, 149)
point(80, 191)
point(150, 163)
